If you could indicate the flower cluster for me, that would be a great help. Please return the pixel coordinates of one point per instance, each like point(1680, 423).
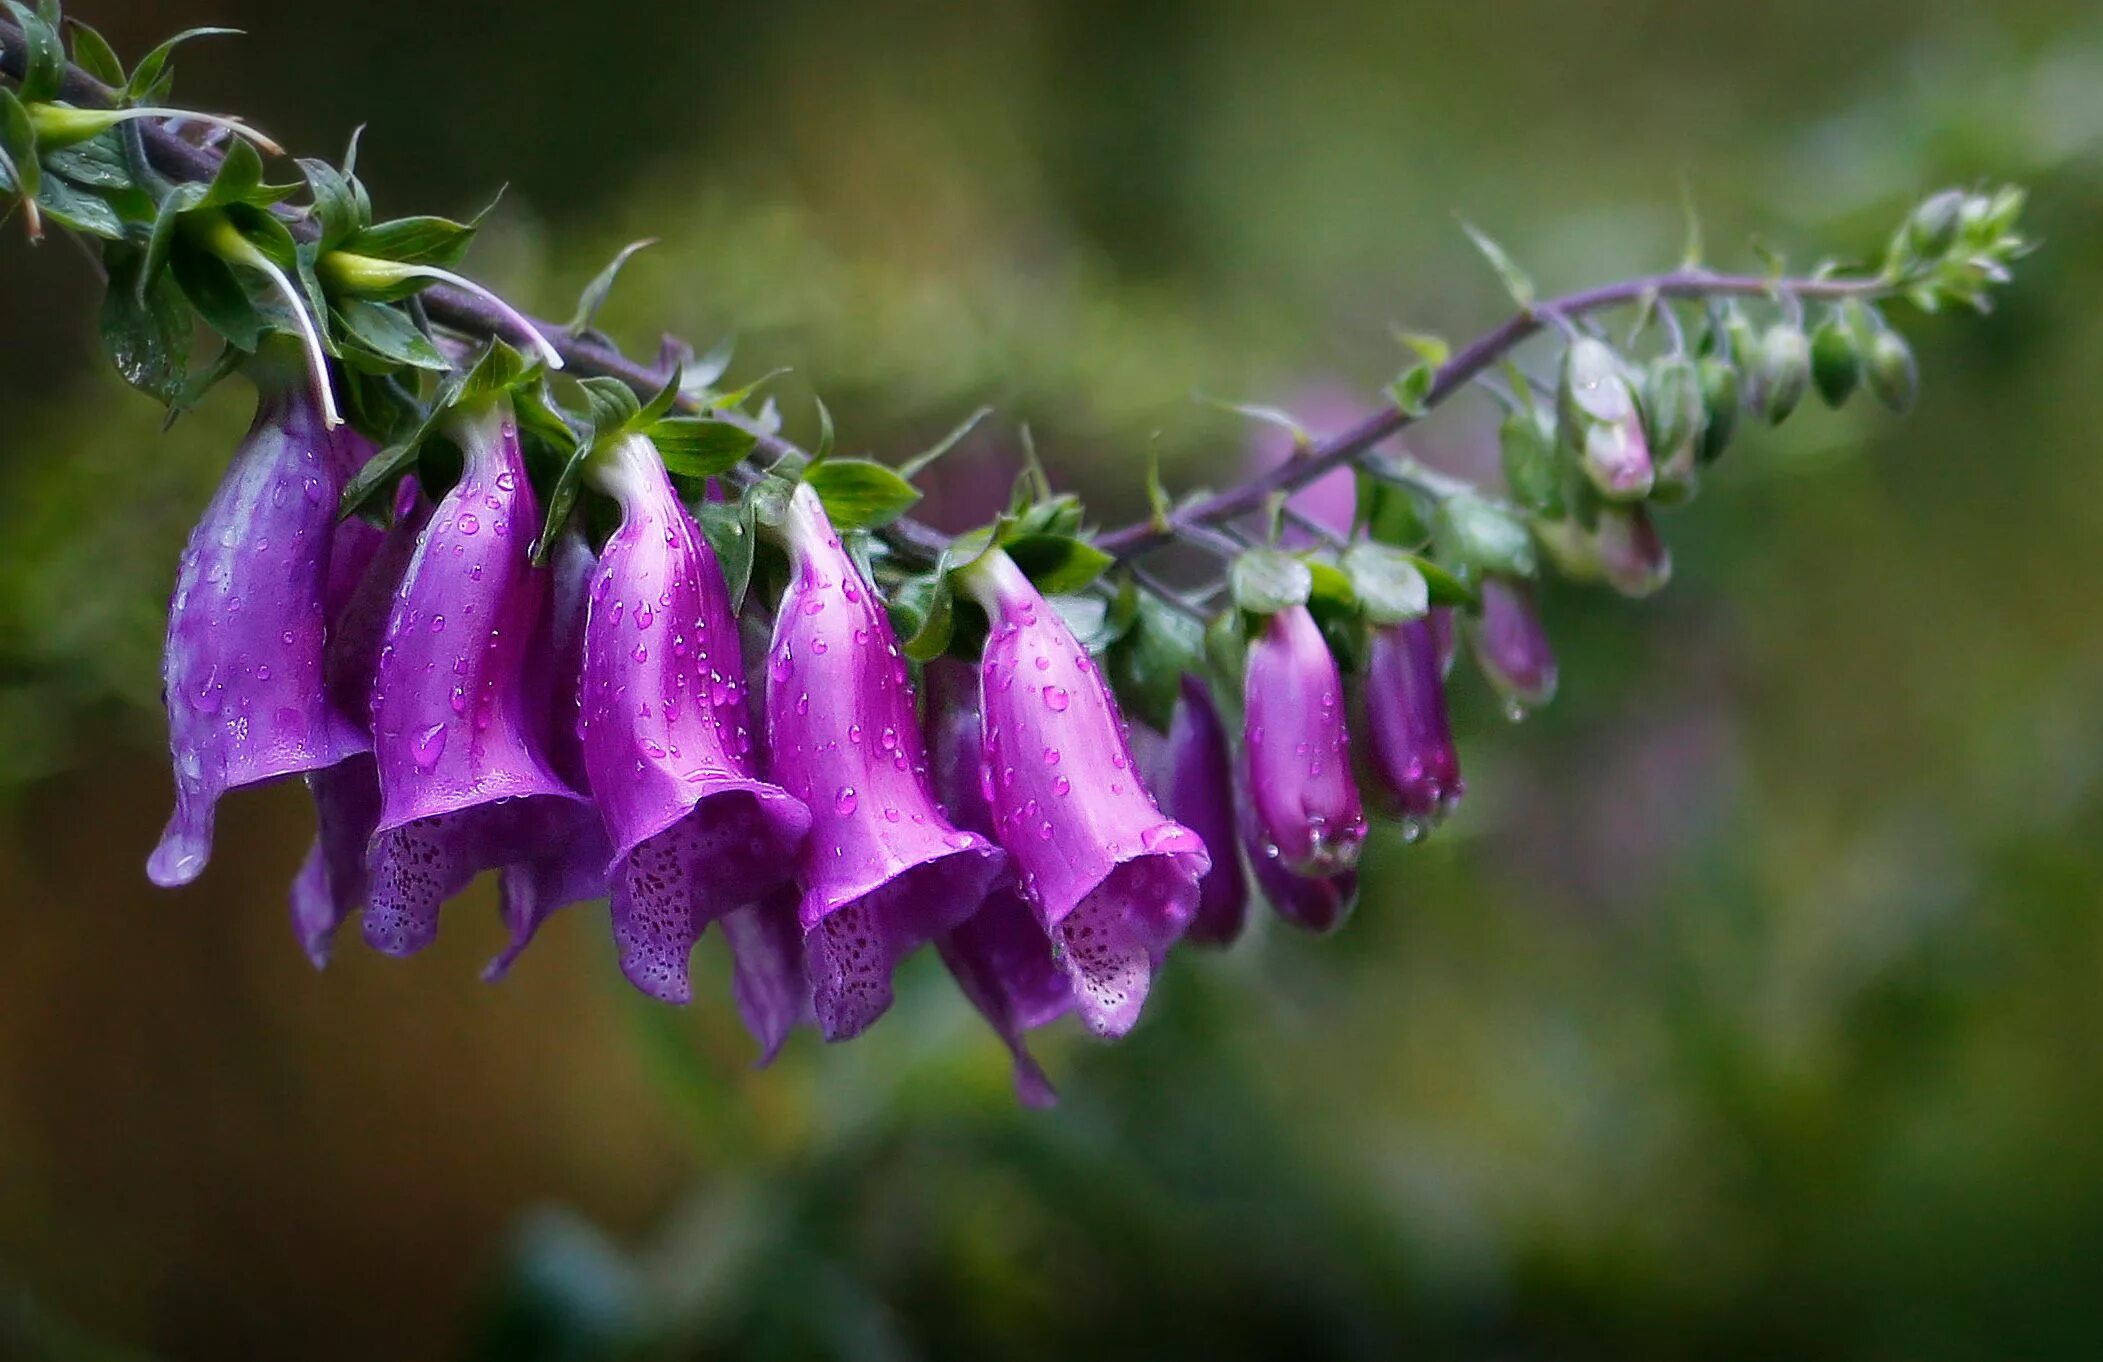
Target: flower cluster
point(613, 638)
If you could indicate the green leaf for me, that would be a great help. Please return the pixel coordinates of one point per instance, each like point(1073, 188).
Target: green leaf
point(415, 241)
point(1482, 536)
point(1390, 587)
point(861, 495)
point(18, 144)
point(1059, 564)
point(1526, 442)
point(78, 210)
point(97, 163)
point(43, 57)
point(731, 533)
point(1266, 581)
point(145, 331)
point(239, 178)
point(147, 74)
point(1516, 282)
point(823, 450)
point(1302, 438)
point(934, 615)
point(595, 293)
point(1433, 350)
point(388, 334)
point(925, 459)
point(735, 398)
point(661, 402)
point(1148, 663)
point(1160, 508)
point(496, 372)
point(609, 404)
point(93, 54)
point(698, 447)
point(335, 206)
point(1411, 393)
point(210, 285)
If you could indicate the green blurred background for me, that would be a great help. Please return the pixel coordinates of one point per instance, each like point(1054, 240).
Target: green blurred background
point(1753, 1007)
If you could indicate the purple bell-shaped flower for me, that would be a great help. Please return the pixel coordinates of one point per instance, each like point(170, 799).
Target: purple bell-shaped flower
point(242, 674)
point(1415, 765)
point(1000, 956)
point(1510, 645)
point(1305, 800)
point(1114, 882)
point(883, 870)
point(1198, 782)
point(667, 734)
point(465, 784)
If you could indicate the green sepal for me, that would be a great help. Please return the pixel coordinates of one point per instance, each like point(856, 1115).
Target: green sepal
point(919, 463)
point(1266, 581)
point(923, 611)
point(93, 54)
point(383, 338)
point(1388, 584)
point(78, 210)
point(601, 287)
point(699, 446)
point(860, 494)
point(414, 241)
point(1059, 564)
point(146, 332)
point(337, 206)
point(147, 76)
point(43, 56)
point(217, 293)
point(1526, 443)
point(1482, 537)
point(729, 526)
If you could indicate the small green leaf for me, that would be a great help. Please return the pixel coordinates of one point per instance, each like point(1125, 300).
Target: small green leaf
point(610, 404)
point(387, 333)
point(729, 527)
point(697, 447)
point(78, 210)
point(212, 288)
point(18, 143)
point(414, 241)
point(97, 163)
point(925, 459)
point(1059, 564)
point(1160, 509)
point(934, 616)
point(861, 495)
point(596, 292)
point(1391, 588)
point(147, 74)
point(823, 449)
point(735, 398)
point(146, 332)
point(43, 58)
point(1516, 282)
point(1526, 441)
point(1266, 581)
point(702, 373)
point(1302, 438)
point(335, 206)
point(1433, 350)
point(238, 179)
point(1411, 393)
point(93, 54)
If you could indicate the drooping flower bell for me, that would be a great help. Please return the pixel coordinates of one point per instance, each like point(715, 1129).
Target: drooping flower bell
point(573, 869)
point(465, 784)
point(1510, 645)
point(1318, 904)
point(332, 882)
point(1305, 799)
point(1113, 881)
point(1198, 789)
point(1633, 556)
point(667, 733)
point(242, 673)
point(1413, 759)
point(883, 870)
point(999, 956)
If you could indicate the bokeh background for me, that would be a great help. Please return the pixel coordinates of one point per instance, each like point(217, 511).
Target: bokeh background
point(1753, 1007)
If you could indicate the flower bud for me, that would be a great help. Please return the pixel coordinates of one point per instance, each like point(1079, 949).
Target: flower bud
point(1836, 364)
point(1199, 785)
point(1510, 646)
point(1675, 416)
point(1527, 444)
point(1720, 402)
point(1414, 761)
point(1785, 370)
point(1890, 372)
point(1632, 555)
point(1306, 801)
point(1933, 227)
point(1600, 423)
point(1319, 905)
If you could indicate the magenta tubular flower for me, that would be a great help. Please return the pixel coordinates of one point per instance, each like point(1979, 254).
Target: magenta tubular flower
point(883, 871)
point(667, 736)
point(1299, 751)
point(1511, 647)
point(1314, 904)
point(464, 783)
point(1000, 956)
point(1114, 882)
point(574, 868)
point(332, 882)
point(1199, 784)
point(1413, 759)
point(242, 674)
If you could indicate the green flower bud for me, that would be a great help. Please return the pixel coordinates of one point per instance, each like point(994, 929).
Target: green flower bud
point(1720, 400)
point(1784, 372)
point(1527, 440)
point(1676, 416)
point(1890, 372)
point(1836, 363)
point(1933, 226)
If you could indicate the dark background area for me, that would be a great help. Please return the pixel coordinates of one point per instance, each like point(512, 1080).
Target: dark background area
point(1749, 1008)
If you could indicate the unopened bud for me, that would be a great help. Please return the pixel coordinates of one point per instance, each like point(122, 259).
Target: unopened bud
point(1676, 416)
point(1934, 224)
point(1785, 370)
point(1720, 401)
point(1890, 372)
point(1836, 363)
point(1527, 442)
point(1631, 553)
point(1599, 422)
